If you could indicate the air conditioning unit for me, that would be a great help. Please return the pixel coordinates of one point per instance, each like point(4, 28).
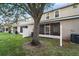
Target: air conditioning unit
point(75, 38)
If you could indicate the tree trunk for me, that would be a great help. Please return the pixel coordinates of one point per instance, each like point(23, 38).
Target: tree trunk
point(16, 28)
point(9, 30)
point(35, 38)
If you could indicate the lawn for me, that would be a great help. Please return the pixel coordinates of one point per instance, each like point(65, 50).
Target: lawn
point(14, 45)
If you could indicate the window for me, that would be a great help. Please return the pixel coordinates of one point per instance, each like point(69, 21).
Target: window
point(47, 29)
point(41, 31)
point(6, 29)
point(56, 13)
point(50, 29)
point(47, 16)
point(75, 5)
point(25, 26)
point(55, 29)
point(21, 28)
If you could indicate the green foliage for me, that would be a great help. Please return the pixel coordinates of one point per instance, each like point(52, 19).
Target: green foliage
point(11, 13)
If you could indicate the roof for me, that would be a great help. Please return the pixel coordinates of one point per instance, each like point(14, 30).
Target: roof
point(61, 7)
point(62, 19)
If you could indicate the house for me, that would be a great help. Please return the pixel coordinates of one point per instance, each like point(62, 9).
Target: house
point(58, 23)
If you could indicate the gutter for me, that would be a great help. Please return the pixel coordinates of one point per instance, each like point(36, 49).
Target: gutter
point(61, 19)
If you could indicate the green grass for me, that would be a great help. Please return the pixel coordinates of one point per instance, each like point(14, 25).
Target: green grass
point(12, 45)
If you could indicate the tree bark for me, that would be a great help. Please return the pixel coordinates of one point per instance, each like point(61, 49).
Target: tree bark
point(35, 38)
point(9, 30)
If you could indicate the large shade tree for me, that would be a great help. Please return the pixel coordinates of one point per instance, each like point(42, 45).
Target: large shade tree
point(35, 10)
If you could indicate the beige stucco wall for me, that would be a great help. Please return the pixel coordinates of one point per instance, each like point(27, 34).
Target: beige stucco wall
point(69, 11)
point(68, 27)
point(18, 29)
point(64, 12)
point(27, 31)
point(43, 17)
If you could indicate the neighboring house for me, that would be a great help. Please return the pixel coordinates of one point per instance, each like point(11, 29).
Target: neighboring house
point(58, 23)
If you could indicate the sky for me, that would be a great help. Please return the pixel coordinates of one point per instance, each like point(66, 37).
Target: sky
point(57, 5)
